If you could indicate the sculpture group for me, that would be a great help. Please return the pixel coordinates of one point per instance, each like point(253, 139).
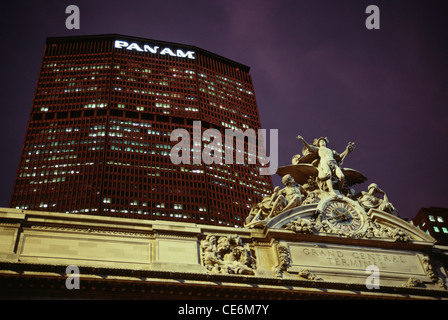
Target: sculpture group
point(226, 255)
point(313, 175)
point(318, 202)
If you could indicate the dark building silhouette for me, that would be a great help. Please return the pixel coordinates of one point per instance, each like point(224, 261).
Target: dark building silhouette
point(434, 221)
point(98, 138)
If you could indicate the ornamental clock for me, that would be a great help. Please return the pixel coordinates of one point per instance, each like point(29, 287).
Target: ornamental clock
point(341, 216)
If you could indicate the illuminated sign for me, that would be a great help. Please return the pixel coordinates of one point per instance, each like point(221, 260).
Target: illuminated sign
point(154, 49)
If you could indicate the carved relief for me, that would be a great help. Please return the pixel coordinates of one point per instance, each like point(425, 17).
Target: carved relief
point(301, 226)
point(226, 255)
point(283, 261)
point(413, 283)
point(308, 275)
point(317, 177)
point(369, 200)
point(281, 200)
point(373, 229)
point(431, 274)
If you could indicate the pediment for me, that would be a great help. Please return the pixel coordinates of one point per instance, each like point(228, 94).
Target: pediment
point(341, 216)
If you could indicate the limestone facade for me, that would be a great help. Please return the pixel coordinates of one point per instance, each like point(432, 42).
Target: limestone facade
point(290, 257)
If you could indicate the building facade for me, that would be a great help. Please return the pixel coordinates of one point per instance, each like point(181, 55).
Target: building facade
point(434, 221)
point(50, 255)
point(98, 139)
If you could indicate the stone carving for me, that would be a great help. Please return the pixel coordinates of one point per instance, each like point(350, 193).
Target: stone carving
point(226, 255)
point(311, 198)
point(373, 230)
point(431, 274)
point(316, 177)
point(261, 210)
point(288, 197)
point(413, 283)
point(308, 275)
point(328, 163)
point(302, 226)
point(284, 260)
point(280, 200)
point(399, 235)
point(368, 200)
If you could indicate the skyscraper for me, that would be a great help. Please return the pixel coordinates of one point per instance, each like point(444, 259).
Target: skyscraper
point(98, 138)
point(434, 221)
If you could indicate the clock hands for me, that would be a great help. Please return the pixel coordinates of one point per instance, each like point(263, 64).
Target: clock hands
point(342, 217)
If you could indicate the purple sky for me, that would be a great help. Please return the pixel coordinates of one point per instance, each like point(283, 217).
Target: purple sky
point(316, 69)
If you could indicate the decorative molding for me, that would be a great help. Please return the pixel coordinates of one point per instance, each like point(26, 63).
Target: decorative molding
point(89, 230)
point(431, 274)
point(372, 231)
point(284, 260)
point(227, 255)
point(413, 283)
point(308, 275)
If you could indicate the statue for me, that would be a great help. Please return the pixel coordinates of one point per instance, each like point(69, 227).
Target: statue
point(261, 210)
point(226, 255)
point(289, 197)
point(329, 163)
point(368, 200)
point(279, 201)
point(316, 178)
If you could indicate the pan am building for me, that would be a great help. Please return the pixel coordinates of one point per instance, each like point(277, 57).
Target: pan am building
point(98, 138)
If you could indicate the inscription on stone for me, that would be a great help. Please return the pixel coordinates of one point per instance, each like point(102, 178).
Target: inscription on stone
point(313, 256)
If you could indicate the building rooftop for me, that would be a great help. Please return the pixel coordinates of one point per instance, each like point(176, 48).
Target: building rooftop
point(115, 36)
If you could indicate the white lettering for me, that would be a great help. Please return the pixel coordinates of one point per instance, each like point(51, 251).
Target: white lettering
point(189, 310)
point(183, 146)
point(72, 281)
point(134, 46)
point(373, 281)
point(273, 155)
point(167, 51)
point(212, 152)
point(72, 21)
point(239, 135)
point(147, 48)
point(188, 54)
point(120, 44)
point(373, 21)
point(254, 309)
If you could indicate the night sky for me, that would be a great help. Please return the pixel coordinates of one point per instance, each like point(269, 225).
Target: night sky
point(317, 71)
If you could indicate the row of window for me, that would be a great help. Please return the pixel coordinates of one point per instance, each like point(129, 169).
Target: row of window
point(439, 229)
point(434, 219)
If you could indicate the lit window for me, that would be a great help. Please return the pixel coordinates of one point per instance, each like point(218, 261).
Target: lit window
point(439, 219)
point(445, 230)
point(436, 229)
point(431, 218)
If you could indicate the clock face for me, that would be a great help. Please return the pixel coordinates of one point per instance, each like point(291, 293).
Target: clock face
point(342, 216)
